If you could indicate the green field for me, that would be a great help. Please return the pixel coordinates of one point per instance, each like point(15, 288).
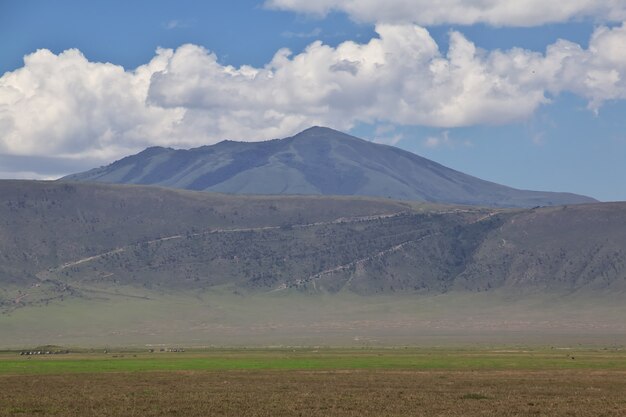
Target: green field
point(316, 382)
point(315, 359)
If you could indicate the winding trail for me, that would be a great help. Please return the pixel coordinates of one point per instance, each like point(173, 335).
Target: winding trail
point(88, 259)
point(356, 263)
point(341, 220)
point(311, 279)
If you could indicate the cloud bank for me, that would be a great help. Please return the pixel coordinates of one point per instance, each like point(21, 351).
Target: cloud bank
point(67, 106)
point(463, 12)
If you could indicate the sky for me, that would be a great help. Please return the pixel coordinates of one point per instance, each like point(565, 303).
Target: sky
point(526, 93)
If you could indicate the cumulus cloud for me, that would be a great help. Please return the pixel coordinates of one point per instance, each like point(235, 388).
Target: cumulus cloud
point(464, 12)
point(400, 77)
point(67, 106)
point(597, 73)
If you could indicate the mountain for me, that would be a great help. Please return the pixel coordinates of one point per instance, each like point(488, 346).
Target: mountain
point(101, 264)
point(73, 234)
point(318, 161)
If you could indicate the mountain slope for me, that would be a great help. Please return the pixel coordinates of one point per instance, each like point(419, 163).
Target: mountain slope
point(64, 240)
point(47, 224)
point(100, 264)
point(316, 161)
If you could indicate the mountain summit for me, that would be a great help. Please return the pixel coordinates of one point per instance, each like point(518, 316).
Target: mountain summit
point(318, 160)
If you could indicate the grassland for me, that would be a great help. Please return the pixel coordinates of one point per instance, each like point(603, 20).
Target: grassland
point(291, 319)
point(315, 359)
point(317, 382)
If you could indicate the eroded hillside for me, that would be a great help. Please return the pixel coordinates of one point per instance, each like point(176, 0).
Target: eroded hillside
point(75, 240)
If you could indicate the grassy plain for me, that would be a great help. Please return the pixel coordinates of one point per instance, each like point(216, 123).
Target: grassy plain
point(317, 382)
point(221, 318)
point(315, 359)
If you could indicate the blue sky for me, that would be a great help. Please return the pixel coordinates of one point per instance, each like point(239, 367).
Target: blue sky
point(558, 131)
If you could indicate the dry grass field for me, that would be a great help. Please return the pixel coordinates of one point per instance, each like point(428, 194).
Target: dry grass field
point(277, 383)
point(317, 393)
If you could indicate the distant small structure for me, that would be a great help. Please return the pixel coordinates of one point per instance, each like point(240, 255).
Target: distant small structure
point(43, 352)
point(175, 350)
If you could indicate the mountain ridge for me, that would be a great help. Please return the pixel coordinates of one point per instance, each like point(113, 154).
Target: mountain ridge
point(72, 235)
point(318, 160)
point(87, 262)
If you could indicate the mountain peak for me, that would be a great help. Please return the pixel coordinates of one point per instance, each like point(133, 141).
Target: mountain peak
point(325, 134)
point(317, 130)
point(318, 160)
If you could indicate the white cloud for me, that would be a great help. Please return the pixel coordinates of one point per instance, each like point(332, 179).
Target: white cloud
point(465, 12)
point(445, 141)
point(598, 73)
point(65, 105)
point(437, 141)
point(177, 24)
point(400, 78)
